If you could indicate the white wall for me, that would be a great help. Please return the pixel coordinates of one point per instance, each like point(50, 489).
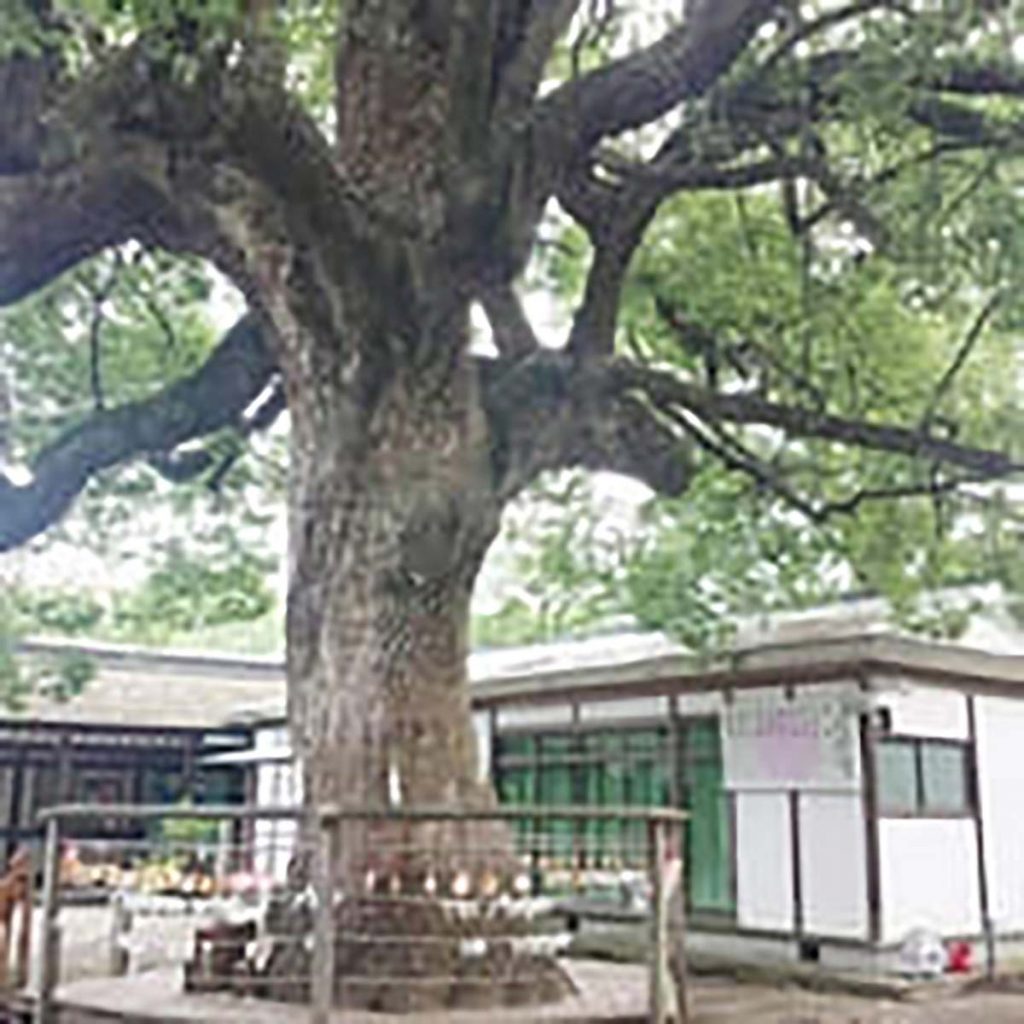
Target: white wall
point(538, 717)
point(807, 743)
point(833, 865)
point(925, 710)
point(484, 743)
point(928, 876)
point(764, 877)
point(616, 710)
point(1000, 724)
point(928, 867)
point(278, 784)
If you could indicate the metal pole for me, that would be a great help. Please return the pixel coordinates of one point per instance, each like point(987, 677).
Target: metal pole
point(322, 981)
point(49, 969)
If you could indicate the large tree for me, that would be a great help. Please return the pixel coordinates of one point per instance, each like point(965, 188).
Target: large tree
point(460, 136)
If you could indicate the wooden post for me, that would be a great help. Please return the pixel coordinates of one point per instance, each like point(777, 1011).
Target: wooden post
point(49, 973)
point(24, 951)
point(120, 927)
point(667, 980)
point(322, 981)
point(658, 977)
point(675, 884)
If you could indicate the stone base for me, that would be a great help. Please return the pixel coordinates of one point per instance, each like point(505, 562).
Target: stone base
point(397, 954)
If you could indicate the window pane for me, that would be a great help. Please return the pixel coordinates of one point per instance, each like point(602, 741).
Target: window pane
point(555, 747)
point(644, 741)
point(944, 770)
point(515, 746)
point(896, 768)
point(701, 739)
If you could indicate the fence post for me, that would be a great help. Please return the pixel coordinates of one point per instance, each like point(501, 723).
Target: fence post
point(322, 981)
point(49, 967)
point(674, 866)
point(659, 922)
point(24, 951)
point(668, 993)
point(120, 927)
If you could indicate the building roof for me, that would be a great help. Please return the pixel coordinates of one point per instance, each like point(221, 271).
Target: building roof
point(193, 689)
point(137, 687)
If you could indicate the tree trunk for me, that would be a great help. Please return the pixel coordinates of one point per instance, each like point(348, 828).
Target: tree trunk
point(388, 532)
point(393, 510)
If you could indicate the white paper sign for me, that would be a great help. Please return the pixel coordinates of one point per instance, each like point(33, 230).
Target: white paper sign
point(803, 742)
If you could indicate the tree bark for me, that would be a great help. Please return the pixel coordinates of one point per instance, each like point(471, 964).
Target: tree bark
point(392, 512)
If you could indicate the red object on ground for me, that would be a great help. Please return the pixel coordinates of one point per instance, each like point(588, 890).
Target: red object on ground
point(958, 959)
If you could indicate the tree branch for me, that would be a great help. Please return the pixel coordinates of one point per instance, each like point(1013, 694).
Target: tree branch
point(522, 75)
point(641, 87)
point(512, 331)
point(51, 222)
point(213, 397)
point(974, 333)
point(593, 327)
point(666, 391)
point(552, 412)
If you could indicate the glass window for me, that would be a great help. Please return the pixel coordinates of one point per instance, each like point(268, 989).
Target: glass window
point(922, 777)
point(896, 770)
point(702, 739)
point(555, 746)
point(944, 778)
point(515, 746)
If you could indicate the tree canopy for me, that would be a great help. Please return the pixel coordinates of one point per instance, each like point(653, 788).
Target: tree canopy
point(781, 245)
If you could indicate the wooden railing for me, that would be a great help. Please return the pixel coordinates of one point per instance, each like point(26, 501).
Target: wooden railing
point(656, 843)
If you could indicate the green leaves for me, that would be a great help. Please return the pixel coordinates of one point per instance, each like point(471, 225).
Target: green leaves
point(189, 591)
point(58, 677)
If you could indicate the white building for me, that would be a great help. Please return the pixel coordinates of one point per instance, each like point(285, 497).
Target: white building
point(847, 784)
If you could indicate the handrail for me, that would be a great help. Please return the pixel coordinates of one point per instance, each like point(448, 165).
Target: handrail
point(329, 812)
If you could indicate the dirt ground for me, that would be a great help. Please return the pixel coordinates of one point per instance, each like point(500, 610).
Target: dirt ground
point(718, 1002)
point(615, 989)
point(160, 942)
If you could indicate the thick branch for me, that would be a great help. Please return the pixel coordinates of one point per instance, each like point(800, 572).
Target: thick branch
point(512, 331)
point(214, 397)
point(666, 391)
point(51, 222)
point(521, 77)
point(642, 87)
point(552, 412)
